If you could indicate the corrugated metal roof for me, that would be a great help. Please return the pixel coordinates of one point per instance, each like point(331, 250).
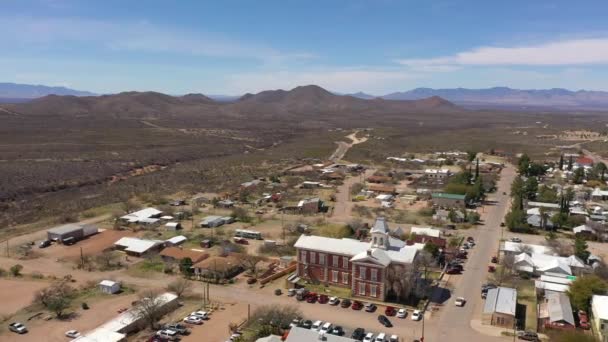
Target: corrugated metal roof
point(448, 196)
point(425, 231)
point(501, 300)
point(297, 334)
point(559, 308)
point(66, 228)
point(343, 246)
point(600, 306)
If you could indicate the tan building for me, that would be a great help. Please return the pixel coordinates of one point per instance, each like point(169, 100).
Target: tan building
point(500, 307)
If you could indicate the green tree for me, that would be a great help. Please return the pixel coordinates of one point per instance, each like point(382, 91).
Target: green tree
point(547, 194)
point(570, 163)
point(523, 164)
point(185, 266)
point(531, 188)
point(16, 270)
point(477, 169)
point(431, 248)
point(578, 176)
point(561, 162)
point(517, 187)
point(581, 248)
point(473, 217)
point(58, 305)
point(471, 155)
point(583, 288)
point(559, 219)
point(601, 170)
point(516, 218)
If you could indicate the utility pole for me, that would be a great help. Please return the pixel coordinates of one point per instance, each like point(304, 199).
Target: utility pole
point(422, 338)
point(81, 258)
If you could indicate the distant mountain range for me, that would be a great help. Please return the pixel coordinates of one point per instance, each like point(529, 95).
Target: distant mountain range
point(503, 97)
point(491, 98)
point(13, 92)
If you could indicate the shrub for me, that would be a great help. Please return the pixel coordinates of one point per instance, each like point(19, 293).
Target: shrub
point(85, 306)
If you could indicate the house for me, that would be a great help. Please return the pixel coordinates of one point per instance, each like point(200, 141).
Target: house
point(424, 239)
point(379, 179)
point(599, 308)
point(536, 220)
point(218, 267)
point(298, 334)
point(212, 222)
point(553, 283)
point(583, 230)
point(173, 226)
point(445, 200)
point(177, 254)
point(71, 231)
point(500, 307)
point(531, 204)
point(251, 185)
point(384, 198)
point(444, 215)
point(599, 195)
point(363, 267)
point(584, 162)
point(555, 311)
point(138, 247)
point(310, 185)
point(225, 204)
point(176, 240)
point(383, 189)
point(426, 231)
point(147, 213)
point(514, 248)
point(109, 286)
point(310, 205)
point(548, 264)
point(438, 175)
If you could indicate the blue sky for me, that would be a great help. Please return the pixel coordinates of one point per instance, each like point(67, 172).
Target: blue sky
point(232, 47)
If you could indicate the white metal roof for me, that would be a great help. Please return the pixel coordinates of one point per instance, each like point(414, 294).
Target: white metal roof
point(297, 334)
point(547, 286)
point(177, 239)
point(375, 255)
point(600, 306)
point(101, 335)
point(510, 246)
point(343, 246)
point(136, 245)
point(543, 205)
point(501, 300)
point(559, 308)
point(142, 214)
point(107, 283)
point(172, 224)
point(428, 231)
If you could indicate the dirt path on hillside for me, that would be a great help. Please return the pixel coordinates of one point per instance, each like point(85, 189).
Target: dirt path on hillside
point(343, 147)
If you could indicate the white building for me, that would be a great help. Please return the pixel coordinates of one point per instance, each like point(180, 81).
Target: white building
point(428, 231)
point(142, 215)
point(109, 286)
point(599, 308)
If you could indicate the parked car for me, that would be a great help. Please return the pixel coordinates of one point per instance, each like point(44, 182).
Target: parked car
point(201, 314)
point(380, 338)
point(296, 322)
point(326, 328)
point(337, 330)
point(494, 259)
point(278, 292)
point(369, 337)
point(251, 281)
point(72, 334)
point(17, 327)
point(452, 270)
point(345, 303)
point(180, 328)
point(583, 320)
point(456, 266)
point(527, 336)
point(311, 298)
point(301, 294)
point(193, 320)
point(317, 325)
point(402, 313)
point(470, 239)
point(394, 338)
point(323, 299)
point(370, 307)
point(291, 292)
point(357, 305)
point(358, 334)
point(306, 324)
point(384, 321)
point(170, 335)
point(44, 243)
point(460, 301)
point(515, 239)
point(491, 268)
point(390, 311)
point(416, 315)
point(334, 301)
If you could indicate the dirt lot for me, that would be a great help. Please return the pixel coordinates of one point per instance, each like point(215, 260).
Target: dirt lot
point(17, 293)
point(101, 310)
point(91, 246)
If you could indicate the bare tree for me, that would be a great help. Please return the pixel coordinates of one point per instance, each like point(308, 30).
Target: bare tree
point(401, 280)
point(425, 260)
point(148, 308)
point(523, 248)
point(107, 259)
point(250, 263)
point(276, 316)
point(180, 286)
point(601, 230)
point(508, 267)
point(56, 297)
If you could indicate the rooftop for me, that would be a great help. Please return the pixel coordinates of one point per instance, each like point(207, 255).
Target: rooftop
point(448, 196)
point(298, 334)
point(137, 245)
point(600, 306)
point(66, 228)
point(179, 254)
point(426, 231)
point(501, 300)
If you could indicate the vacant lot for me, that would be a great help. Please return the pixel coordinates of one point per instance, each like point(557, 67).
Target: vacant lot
point(17, 293)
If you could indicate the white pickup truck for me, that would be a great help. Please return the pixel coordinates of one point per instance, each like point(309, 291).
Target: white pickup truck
point(17, 327)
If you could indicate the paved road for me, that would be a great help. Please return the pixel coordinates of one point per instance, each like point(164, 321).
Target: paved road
point(454, 323)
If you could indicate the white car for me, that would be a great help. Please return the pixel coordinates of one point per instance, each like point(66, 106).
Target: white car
point(402, 313)
point(201, 314)
point(460, 301)
point(369, 337)
point(394, 338)
point(326, 328)
point(380, 338)
point(333, 301)
point(317, 325)
point(416, 315)
point(193, 320)
point(170, 335)
point(72, 334)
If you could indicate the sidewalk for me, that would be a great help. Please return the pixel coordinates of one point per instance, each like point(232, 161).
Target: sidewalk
point(489, 329)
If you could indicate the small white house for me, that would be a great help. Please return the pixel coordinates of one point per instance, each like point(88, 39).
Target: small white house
point(109, 286)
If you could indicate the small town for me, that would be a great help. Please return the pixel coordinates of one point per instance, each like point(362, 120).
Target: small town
point(471, 245)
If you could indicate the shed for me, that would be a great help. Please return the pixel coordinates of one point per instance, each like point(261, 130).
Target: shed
point(109, 286)
point(72, 230)
point(212, 221)
point(176, 240)
point(172, 226)
point(228, 219)
point(500, 307)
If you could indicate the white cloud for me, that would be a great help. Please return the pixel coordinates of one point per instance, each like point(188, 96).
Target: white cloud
point(559, 53)
point(134, 36)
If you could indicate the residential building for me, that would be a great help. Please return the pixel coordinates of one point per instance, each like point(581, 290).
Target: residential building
point(599, 310)
point(138, 247)
point(445, 200)
point(176, 240)
point(379, 179)
point(437, 175)
point(147, 213)
point(363, 267)
point(381, 188)
point(500, 307)
point(555, 311)
point(428, 231)
point(212, 222)
point(310, 205)
point(218, 267)
point(539, 264)
point(176, 255)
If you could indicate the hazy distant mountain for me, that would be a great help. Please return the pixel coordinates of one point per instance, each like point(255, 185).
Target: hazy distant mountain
point(224, 98)
point(19, 92)
point(362, 95)
point(508, 97)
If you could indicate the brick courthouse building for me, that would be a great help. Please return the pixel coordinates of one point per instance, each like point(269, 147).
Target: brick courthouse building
point(368, 268)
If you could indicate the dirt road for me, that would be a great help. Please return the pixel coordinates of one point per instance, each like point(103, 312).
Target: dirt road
point(343, 147)
point(343, 207)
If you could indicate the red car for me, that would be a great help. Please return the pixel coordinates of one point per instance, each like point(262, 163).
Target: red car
point(452, 271)
point(311, 298)
point(323, 299)
point(357, 305)
point(495, 260)
point(390, 311)
point(583, 320)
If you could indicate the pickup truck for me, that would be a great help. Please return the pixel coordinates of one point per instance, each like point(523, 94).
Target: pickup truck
point(17, 327)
